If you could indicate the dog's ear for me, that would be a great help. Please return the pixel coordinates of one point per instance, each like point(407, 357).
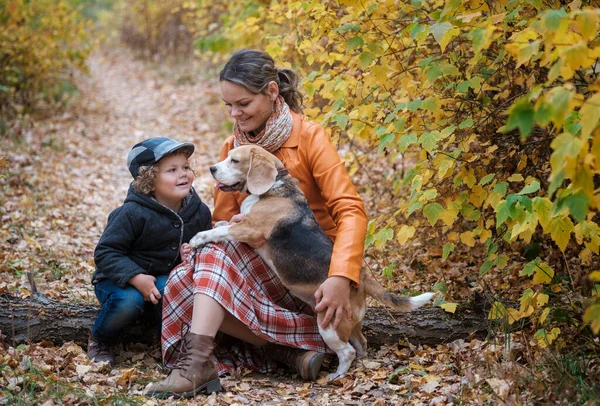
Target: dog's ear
point(261, 174)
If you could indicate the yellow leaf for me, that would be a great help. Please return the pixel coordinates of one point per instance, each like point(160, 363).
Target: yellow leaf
point(595, 276)
point(587, 22)
point(381, 73)
point(468, 238)
point(418, 367)
point(543, 274)
point(405, 232)
point(576, 56)
point(542, 207)
point(449, 307)
point(541, 299)
point(590, 115)
point(484, 236)
point(544, 315)
point(448, 37)
point(592, 316)
point(513, 315)
point(516, 177)
point(526, 308)
point(449, 215)
point(498, 311)
point(545, 337)
point(560, 231)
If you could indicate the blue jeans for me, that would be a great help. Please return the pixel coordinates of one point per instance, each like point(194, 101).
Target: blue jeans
point(121, 307)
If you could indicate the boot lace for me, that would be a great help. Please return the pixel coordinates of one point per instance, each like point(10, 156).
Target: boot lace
point(184, 356)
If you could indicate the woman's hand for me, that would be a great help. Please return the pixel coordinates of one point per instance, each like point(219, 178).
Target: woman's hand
point(334, 295)
point(184, 253)
point(145, 284)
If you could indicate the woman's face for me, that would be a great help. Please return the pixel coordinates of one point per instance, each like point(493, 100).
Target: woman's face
point(251, 111)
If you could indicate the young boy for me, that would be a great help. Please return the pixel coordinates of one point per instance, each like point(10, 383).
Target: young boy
point(144, 239)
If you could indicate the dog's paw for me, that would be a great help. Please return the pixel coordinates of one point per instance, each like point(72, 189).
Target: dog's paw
point(221, 223)
point(198, 240)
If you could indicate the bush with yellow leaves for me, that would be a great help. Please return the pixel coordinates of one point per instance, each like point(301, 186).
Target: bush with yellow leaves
point(40, 43)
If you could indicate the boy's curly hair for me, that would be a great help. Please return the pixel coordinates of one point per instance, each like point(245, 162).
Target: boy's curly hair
point(144, 183)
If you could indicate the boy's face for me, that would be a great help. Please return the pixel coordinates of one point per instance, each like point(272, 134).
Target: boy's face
point(173, 180)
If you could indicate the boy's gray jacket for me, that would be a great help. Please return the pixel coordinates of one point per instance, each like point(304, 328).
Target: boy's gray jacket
point(143, 236)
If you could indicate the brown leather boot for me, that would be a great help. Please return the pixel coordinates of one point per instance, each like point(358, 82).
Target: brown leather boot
point(99, 351)
point(305, 363)
point(194, 373)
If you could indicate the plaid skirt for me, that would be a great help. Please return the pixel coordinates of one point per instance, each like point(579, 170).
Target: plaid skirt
point(236, 277)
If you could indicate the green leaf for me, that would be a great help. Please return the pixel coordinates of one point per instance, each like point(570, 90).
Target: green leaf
point(355, 42)
point(413, 206)
point(406, 140)
point(432, 211)
point(365, 59)
point(428, 141)
point(532, 187)
point(501, 188)
point(486, 179)
point(341, 120)
point(383, 236)
point(384, 140)
point(438, 30)
point(530, 267)
point(577, 204)
point(448, 248)
point(501, 212)
point(485, 268)
point(466, 124)
point(520, 116)
point(553, 18)
point(440, 287)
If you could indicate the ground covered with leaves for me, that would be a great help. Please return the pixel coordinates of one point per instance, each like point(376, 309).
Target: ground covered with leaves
point(62, 174)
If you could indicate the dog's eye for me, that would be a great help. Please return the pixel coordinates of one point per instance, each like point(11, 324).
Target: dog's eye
point(234, 161)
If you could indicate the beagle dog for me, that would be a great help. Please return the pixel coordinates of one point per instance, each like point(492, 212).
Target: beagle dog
point(296, 248)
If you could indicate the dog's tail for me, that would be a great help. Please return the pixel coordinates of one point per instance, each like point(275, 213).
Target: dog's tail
point(401, 303)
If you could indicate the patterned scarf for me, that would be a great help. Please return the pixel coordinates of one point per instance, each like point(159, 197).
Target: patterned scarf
point(275, 133)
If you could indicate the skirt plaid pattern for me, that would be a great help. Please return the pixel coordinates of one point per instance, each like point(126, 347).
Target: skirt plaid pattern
point(237, 278)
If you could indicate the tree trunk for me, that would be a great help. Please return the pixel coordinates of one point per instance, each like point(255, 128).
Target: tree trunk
point(32, 321)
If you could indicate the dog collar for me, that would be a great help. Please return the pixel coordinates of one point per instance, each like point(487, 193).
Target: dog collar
point(281, 173)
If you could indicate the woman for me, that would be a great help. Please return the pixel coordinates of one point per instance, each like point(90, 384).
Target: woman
point(226, 286)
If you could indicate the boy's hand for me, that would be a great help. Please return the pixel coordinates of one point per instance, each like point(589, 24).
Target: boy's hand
point(333, 296)
point(145, 284)
point(184, 252)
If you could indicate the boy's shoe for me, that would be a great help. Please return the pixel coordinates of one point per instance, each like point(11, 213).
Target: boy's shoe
point(98, 351)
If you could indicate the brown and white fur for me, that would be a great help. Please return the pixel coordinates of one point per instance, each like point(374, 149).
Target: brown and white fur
point(296, 247)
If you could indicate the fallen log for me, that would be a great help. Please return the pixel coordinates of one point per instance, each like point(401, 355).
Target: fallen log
point(24, 320)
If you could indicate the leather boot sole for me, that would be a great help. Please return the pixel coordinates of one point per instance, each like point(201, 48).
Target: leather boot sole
point(206, 388)
point(314, 366)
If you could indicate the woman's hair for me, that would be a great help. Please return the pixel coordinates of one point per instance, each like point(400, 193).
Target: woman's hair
point(254, 70)
point(144, 182)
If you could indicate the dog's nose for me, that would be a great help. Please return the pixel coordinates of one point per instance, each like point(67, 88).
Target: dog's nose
point(213, 169)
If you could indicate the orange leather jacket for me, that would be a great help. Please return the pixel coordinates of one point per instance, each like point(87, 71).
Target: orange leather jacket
point(310, 157)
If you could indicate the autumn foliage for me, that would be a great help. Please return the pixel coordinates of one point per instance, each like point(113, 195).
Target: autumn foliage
point(484, 114)
point(41, 43)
